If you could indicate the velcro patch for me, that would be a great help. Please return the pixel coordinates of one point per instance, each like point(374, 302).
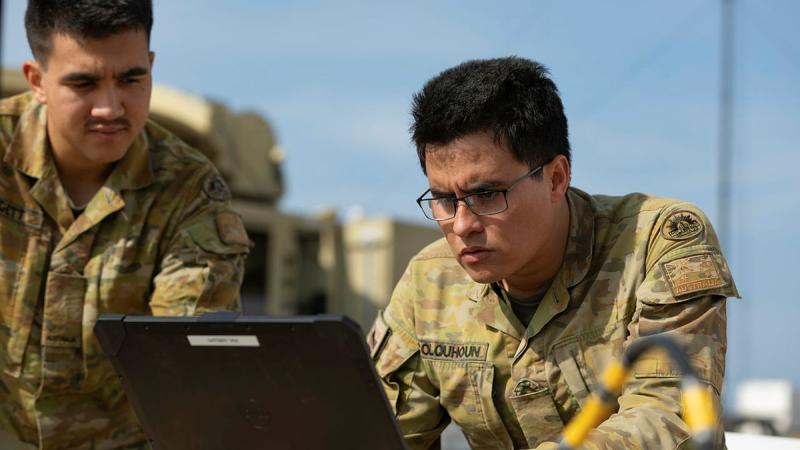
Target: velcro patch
point(682, 225)
point(460, 351)
point(692, 274)
point(377, 336)
point(231, 229)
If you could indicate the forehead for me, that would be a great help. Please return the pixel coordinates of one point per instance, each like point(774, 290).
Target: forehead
point(476, 158)
point(116, 52)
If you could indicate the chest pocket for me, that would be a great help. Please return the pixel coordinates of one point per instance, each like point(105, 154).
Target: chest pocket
point(536, 412)
point(466, 393)
point(581, 363)
point(23, 257)
point(119, 282)
point(13, 242)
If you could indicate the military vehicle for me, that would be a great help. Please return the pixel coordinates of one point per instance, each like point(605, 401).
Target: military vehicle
point(299, 264)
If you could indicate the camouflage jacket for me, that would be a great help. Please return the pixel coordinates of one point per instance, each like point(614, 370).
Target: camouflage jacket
point(449, 348)
point(158, 238)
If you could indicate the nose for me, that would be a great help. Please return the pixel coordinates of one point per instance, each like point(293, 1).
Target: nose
point(108, 105)
point(465, 222)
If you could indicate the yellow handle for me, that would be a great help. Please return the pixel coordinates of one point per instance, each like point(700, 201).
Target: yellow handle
point(698, 409)
point(594, 412)
point(614, 377)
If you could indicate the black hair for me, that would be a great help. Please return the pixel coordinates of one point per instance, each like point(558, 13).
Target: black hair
point(83, 19)
point(511, 97)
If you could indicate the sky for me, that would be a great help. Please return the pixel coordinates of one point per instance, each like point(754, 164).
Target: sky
point(639, 82)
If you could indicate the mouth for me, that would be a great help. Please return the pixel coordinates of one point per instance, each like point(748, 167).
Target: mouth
point(107, 130)
point(474, 254)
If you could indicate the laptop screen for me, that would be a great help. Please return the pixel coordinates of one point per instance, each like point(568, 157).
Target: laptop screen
point(224, 381)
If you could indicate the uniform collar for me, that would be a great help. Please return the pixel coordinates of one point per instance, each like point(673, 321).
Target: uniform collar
point(577, 260)
point(29, 152)
point(578, 256)
point(131, 172)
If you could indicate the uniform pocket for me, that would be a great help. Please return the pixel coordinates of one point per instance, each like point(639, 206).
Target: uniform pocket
point(580, 364)
point(22, 265)
point(537, 415)
point(18, 226)
point(466, 394)
point(62, 333)
point(13, 240)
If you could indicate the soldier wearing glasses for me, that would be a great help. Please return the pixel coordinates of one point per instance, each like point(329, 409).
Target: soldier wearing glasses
point(505, 324)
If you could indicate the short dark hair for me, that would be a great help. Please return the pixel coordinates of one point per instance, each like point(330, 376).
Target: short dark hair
point(512, 97)
point(83, 19)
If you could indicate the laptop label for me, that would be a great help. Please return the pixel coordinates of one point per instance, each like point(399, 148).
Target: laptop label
point(222, 341)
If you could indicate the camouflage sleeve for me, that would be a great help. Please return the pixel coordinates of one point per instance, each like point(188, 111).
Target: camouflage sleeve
point(686, 281)
point(202, 266)
point(395, 350)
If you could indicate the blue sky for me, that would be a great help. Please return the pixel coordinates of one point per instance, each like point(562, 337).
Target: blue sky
point(639, 81)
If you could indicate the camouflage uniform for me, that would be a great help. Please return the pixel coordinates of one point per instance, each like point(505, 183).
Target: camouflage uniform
point(158, 238)
point(450, 348)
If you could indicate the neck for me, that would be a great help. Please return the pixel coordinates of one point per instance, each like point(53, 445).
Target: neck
point(546, 266)
point(80, 177)
point(82, 189)
point(81, 182)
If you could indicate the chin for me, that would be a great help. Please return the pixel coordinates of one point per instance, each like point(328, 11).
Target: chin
point(109, 155)
point(482, 276)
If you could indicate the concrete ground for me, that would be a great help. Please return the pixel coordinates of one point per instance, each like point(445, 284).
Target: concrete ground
point(453, 438)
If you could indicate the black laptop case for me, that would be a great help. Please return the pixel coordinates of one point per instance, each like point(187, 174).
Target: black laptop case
point(229, 382)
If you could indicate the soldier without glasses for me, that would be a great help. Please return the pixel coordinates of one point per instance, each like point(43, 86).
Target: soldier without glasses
point(101, 211)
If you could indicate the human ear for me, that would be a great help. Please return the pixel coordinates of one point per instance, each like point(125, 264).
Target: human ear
point(559, 171)
point(33, 73)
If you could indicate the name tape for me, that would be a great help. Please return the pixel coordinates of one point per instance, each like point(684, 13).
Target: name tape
point(453, 351)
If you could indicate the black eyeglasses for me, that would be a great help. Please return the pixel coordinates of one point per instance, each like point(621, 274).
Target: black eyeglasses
point(483, 203)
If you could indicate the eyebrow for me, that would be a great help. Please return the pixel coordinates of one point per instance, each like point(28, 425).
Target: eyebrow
point(481, 187)
point(437, 193)
point(80, 77)
point(134, 72)
point(484, 186)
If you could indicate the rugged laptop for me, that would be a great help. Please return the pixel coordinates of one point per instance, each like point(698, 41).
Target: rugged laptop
point(226, 382)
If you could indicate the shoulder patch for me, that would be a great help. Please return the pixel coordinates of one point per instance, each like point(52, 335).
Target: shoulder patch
point(682, 225)
point(692, 274)
point(216, 189)
point(231, 229)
